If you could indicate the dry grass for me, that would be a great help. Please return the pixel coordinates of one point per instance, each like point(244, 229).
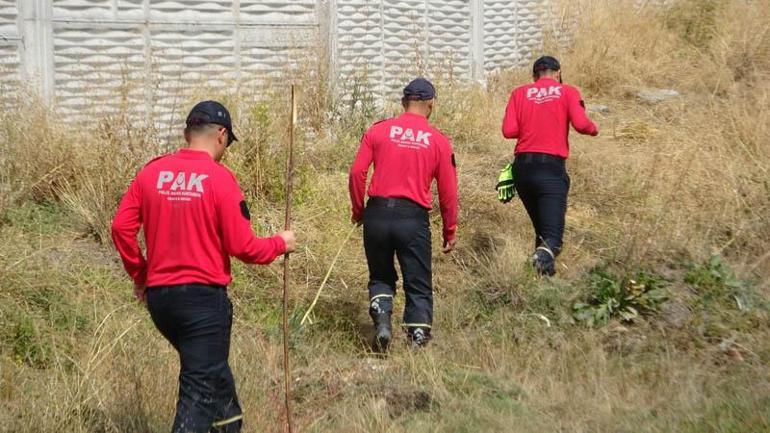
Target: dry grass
point(664, 186)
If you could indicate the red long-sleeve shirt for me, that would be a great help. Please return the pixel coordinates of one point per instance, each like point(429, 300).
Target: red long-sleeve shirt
point(539, 114)
point(194, 217)
point(408, 153)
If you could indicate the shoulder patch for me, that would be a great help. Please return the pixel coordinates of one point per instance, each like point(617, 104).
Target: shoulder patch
point(454, 161)
point(245, 210)
point(582, 103)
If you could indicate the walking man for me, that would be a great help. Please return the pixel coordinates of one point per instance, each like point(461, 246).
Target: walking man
point(407, 153)
point(538, 116)
point(194, 217)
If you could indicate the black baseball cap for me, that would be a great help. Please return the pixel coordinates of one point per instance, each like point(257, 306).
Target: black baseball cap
point(546, 63)
point(419, 90)
point(207, 112)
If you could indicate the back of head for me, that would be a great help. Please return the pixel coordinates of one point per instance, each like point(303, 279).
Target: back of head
point(419, 96)
point(197, 130)
point(208, 113)
point(546, 66)
point(209, 128)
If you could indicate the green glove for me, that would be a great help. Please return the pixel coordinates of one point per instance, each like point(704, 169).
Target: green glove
point(506, 184)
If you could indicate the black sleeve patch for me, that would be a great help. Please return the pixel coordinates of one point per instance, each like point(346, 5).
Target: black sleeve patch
point(245, 210)
point(454, 162)
point(582, 103)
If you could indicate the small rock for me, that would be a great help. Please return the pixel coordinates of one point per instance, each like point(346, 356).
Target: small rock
point(654, 96)
point(380, 405)
point(734, 354)
point(618, 328)
point(675, 314)
point(728, 348)
point(598, 108)
point(374, 365)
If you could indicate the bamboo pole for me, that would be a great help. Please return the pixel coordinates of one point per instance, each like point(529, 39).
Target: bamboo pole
point(287, 226)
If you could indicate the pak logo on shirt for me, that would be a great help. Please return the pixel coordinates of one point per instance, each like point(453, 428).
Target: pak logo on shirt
point(409, 137)
point(180, 186)
point(540, 95)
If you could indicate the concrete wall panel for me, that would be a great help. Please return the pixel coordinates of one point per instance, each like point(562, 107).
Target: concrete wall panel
point(10, 60)
point(106, 55)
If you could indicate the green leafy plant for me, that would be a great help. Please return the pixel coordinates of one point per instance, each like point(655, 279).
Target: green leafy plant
point(27, 345)
point(622, 296)
point(715, 281)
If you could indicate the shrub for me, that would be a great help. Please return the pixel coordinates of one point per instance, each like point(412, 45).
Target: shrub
point(617, 295)
point(27, 345)
point(716, 282)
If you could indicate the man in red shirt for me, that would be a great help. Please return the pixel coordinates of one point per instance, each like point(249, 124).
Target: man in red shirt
point(407, 153)
point(194, 217)
point(538, 116)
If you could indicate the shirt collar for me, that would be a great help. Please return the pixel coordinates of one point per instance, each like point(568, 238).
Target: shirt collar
point(547, 79)
point(193, 154)
point(414, 116)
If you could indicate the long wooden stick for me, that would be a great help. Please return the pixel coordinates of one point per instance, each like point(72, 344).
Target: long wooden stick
point(326, 278)
point(287, 226)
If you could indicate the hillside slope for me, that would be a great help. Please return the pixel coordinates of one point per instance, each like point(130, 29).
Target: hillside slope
point(671, 198)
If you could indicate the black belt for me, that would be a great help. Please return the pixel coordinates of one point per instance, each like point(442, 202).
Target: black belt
point(538, 157)
point(185, 286)
point(393, 202)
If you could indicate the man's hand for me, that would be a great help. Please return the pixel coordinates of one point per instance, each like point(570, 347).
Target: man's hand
point(290, 239)
point(449, 245)
point(140, 293)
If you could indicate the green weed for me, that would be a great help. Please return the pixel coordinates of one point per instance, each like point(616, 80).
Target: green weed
point(716, 282)
point(614, 295)
point(725, 303)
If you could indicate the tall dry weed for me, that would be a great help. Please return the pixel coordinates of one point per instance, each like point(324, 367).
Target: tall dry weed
point(37, 154)
point(662, 185)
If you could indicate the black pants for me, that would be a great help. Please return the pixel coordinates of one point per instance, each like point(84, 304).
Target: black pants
point(543, 184)
point(196, 319)
point(400, 227)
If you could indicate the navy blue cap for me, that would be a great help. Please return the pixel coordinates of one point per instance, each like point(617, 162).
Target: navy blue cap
point(546, 63)
point(419, 90)
point(207, 112)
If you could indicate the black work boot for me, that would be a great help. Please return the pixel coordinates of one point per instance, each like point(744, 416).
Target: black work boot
point(544, 262)
point(418, 337)
point(383, 332)
point(380, 312)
